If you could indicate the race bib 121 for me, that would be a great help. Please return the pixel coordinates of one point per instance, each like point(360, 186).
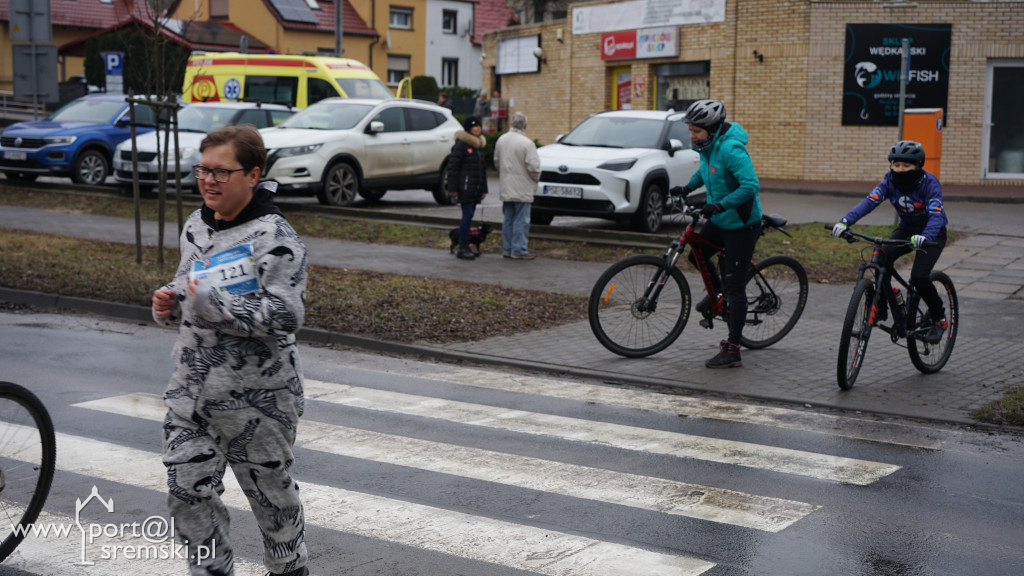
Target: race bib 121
point(232, 271)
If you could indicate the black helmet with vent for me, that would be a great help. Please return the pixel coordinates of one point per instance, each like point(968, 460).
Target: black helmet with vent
point(907, 151)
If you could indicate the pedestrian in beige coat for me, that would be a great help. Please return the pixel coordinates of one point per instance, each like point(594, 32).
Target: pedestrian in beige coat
point(515, 157)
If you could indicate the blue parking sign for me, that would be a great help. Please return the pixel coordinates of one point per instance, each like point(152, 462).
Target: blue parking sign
point(113, 63)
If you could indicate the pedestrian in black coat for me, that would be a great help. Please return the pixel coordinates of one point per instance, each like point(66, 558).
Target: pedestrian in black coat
point(467, 178)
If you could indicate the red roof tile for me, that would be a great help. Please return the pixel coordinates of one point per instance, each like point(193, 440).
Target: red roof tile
point(79, 13)
point(351, 22)
point(490, 15)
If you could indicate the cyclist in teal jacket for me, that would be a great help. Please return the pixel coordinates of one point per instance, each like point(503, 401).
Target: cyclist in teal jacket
point(733, 213)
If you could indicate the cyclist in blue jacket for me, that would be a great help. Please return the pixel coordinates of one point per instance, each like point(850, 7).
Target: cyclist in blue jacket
point(917, 197)
point(733, 213)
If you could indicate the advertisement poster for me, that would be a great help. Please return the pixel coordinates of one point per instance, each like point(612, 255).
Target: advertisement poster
point(871, 71)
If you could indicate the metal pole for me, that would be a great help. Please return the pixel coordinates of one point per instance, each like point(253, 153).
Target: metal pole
point(338, 51)
point(904, 72)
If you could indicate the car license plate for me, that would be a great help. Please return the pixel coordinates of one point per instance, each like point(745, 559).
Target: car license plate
point(14, 155)
point(563, 191)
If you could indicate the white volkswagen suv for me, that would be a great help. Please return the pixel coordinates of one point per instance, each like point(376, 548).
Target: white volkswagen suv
point(616, 165)
point(342, 148)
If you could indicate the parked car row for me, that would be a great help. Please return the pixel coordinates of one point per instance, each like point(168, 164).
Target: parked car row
point(616, 165)
point(339, 149)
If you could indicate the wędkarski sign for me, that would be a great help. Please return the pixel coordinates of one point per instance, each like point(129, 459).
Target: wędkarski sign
point(871, 71)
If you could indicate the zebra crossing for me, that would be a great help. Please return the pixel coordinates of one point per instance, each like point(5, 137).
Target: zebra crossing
point(511, 542)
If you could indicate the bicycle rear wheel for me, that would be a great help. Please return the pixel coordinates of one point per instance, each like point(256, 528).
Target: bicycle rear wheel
point(776, 296)
point(930, 358)
point(27, 460)
point(629, 323)
point(856, 330)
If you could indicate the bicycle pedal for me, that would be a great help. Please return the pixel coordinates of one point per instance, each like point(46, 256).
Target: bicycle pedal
point(706, 323)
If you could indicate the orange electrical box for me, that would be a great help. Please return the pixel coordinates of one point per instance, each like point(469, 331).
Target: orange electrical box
point(924, 126)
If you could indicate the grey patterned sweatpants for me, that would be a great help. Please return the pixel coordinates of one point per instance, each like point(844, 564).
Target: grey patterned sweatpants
point(253, 432)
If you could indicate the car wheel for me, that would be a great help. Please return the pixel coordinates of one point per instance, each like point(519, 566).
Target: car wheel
point(21, 176)
point(652, 208)
point(341, 185)
point(372, 195)
point(440, 191)
point(91, 167)
point(541, 218)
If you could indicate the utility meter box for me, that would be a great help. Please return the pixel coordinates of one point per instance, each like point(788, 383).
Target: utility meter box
point(924, 126)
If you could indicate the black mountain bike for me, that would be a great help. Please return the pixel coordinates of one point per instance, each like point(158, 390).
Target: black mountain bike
point(28, 452)
point(640, 305)
point(875, 301)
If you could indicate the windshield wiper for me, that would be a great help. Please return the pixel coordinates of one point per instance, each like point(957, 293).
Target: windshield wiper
point(599, 145)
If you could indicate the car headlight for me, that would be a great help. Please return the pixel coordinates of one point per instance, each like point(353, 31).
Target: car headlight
point(298, 150)
point(59, 139)
point(186, 152)
point(618, 165)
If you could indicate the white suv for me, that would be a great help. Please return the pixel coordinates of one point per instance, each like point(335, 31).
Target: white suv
point(194, 121)
point(616, 165)
point(341, 148)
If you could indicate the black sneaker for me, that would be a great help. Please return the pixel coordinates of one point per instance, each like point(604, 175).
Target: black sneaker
point(704, 306)
point(728, 356)
point(935, 331)
point(465, 254)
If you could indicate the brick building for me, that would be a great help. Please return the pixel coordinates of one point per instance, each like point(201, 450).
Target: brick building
point(790, 73)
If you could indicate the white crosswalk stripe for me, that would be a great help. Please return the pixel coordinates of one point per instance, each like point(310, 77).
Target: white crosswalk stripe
point(538, 550)
point(821, 466)
point(512, 543)
point(704, 502)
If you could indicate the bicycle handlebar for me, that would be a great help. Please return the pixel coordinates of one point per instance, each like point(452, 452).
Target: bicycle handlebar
point(851, 237)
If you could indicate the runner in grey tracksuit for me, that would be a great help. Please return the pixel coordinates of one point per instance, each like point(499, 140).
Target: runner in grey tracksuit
point(236, 394)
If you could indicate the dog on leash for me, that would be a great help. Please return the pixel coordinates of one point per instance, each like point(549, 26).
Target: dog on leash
point(477, 235)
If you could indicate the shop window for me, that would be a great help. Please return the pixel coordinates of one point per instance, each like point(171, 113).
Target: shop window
point(1005, 124)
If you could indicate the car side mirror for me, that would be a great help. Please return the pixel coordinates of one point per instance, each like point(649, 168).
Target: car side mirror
point(673, 146)
point(559, 137)
point(375, 127)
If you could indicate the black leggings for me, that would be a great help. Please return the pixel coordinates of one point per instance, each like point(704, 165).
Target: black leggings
point(739, 249)
point(920, 273)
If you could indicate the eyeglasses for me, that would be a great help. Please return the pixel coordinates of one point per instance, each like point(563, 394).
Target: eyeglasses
point(221, 175)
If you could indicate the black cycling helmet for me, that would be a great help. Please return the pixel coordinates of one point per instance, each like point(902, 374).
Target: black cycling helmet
point(706, 114)
point(907, 151)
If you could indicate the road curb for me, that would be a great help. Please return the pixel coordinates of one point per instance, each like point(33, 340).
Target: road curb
point(143, 314)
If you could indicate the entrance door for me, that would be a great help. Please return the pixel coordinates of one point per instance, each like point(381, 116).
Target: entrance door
point(1003, 148)
point(622, 88)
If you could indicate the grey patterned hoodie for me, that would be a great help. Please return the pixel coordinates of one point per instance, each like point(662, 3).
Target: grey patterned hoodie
point(239, 331)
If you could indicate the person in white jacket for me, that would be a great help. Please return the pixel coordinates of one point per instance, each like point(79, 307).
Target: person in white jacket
point(515, 157)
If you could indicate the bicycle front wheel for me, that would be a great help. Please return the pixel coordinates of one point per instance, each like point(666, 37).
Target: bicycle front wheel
point(625, 316)
point(856, 330)
point(776, 296)
point(28, 453)
point(930, 358)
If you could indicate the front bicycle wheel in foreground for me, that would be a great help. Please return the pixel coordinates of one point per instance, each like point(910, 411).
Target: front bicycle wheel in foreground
point(930, 358)
point(776, 296)
point(853, 343)
point(27, 460)
point(629, 323)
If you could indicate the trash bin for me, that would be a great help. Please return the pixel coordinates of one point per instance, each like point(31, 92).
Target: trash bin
point(924, 126)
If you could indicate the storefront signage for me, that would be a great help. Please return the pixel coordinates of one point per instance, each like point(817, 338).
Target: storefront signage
point(871, 71)
point(647, 43)
point(641, 13)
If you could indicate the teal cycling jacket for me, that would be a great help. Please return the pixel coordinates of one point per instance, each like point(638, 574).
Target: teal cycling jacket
point(727, 173)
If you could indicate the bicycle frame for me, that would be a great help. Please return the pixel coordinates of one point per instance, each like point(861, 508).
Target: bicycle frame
point(697, 243)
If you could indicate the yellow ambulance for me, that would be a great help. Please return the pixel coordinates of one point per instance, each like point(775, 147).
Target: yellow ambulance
point(297, 81)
